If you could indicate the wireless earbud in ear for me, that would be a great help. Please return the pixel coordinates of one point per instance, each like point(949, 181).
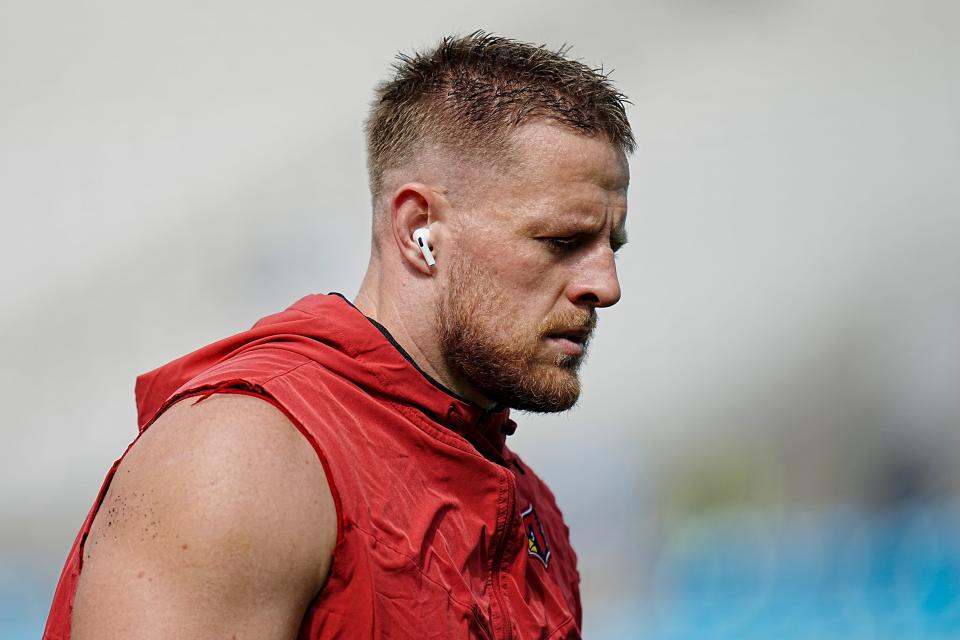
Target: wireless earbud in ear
point(422, 237)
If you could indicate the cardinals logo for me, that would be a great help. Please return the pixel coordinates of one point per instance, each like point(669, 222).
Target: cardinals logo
point(536, 537)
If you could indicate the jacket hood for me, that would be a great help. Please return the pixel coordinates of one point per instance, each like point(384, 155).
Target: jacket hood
point(330, 331)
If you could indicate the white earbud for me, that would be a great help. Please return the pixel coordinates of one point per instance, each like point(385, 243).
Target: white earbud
point(422, 237)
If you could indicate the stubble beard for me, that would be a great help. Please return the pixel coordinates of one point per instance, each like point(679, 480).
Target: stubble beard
point(499, 359)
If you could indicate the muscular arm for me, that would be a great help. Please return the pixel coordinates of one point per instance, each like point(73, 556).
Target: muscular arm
point(218, 524)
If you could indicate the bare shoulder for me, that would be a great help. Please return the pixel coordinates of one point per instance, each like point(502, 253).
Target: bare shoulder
point(219, 518)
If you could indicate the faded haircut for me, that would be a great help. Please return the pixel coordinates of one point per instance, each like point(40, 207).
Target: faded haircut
point(468, 93)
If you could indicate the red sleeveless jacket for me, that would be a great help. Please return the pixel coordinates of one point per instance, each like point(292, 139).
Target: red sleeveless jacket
point(443, 532)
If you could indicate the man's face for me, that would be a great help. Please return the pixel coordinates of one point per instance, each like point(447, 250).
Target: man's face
point(533, 259)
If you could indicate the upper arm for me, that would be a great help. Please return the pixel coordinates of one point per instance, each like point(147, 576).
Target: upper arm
point(218, 523)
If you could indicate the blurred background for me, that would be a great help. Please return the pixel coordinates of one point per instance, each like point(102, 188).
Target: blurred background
point(769, 437)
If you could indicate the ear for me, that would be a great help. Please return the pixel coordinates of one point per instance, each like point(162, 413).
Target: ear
point(415, 205)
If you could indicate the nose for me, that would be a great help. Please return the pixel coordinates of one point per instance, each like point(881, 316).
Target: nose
point(595, 282)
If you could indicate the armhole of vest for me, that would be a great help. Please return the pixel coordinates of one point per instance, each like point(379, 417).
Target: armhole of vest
point(246, 389)
point(237, 387)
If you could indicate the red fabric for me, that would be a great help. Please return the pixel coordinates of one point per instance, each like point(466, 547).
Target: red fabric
point(436, 536)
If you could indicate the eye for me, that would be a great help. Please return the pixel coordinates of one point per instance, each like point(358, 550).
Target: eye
point(563, 243)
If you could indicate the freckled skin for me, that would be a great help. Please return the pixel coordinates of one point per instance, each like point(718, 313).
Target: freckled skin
point(221, 523)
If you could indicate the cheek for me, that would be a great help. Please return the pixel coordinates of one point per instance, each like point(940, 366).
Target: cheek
point(529, 295)
point(522, 277)
point(529, 268)
point(526, 296)
point(542, 283)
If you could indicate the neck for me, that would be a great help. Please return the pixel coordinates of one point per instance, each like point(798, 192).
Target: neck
point(413, 326)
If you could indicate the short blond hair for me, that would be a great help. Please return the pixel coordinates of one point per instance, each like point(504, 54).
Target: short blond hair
point(469, 92)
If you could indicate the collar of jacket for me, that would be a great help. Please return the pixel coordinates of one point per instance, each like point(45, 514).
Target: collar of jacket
point(330, 331)
point(486, 429)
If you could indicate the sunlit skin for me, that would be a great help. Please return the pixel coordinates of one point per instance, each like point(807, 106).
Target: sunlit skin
point(230, 525)
point(535, 243)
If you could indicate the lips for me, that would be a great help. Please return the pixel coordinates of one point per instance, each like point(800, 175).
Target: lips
point(571, 342)
point(569, 332)
point(578, 335)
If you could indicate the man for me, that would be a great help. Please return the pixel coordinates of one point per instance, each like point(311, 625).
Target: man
point(340, 470)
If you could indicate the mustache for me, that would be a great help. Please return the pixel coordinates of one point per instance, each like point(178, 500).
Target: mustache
point(570, 320)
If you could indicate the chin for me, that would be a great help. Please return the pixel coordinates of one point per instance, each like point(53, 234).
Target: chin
point(554, 390)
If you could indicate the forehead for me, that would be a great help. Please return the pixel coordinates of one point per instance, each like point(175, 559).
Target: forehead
point(551, 153)
point(554, 175)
